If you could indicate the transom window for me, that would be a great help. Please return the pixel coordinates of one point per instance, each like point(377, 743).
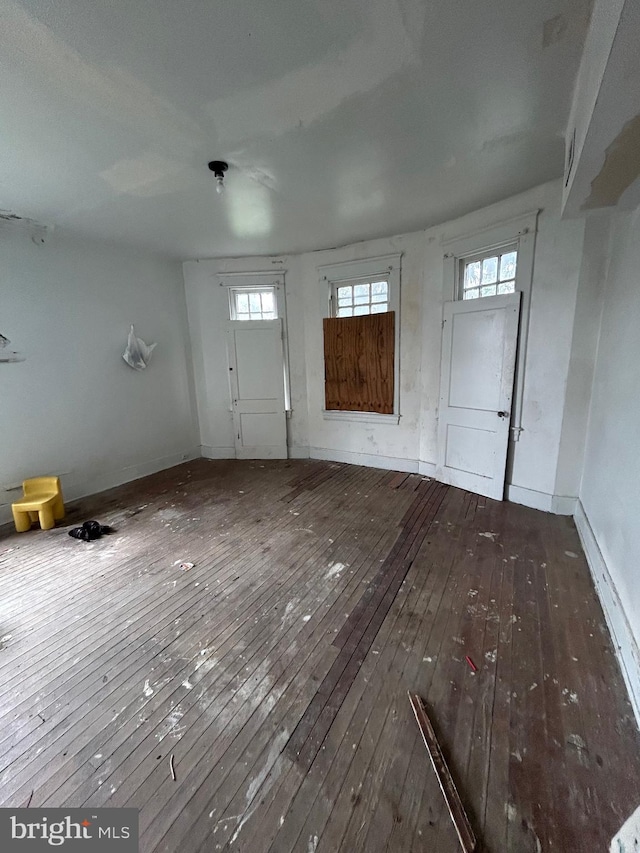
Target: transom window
point(367, 297)
point(491, 274)
point(253, 303)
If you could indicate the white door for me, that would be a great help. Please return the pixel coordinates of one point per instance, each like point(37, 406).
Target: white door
point(256, 370)
point(476, 386)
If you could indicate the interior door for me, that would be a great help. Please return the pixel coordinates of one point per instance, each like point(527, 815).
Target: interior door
point(256, 370)
point(476, 386)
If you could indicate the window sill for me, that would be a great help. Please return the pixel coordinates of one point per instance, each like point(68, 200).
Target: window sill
point(360, 417)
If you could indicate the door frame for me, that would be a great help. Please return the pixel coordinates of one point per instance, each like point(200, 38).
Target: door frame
point(265, 278)
point(520, 230)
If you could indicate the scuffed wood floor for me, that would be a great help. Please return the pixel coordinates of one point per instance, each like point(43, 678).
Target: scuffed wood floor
point(276, 670)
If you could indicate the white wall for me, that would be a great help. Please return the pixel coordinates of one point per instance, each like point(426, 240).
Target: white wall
point(73, 407)
point(608, 516)
point(411, 444)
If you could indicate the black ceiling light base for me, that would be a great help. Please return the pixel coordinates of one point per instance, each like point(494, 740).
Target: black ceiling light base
point(218, 167)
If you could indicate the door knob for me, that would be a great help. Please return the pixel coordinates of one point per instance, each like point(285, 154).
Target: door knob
point(503, 414)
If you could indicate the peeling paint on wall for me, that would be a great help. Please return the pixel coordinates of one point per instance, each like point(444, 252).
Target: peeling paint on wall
point(620, 169)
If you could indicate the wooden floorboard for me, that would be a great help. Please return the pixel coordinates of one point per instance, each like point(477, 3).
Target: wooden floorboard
point(276, 670)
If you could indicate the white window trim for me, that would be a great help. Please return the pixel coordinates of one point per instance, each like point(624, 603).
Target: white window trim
point(352, 283)
point(521, 232)
point(481, 256)
point(250, 288)
point(261, 279)
point(387, 267)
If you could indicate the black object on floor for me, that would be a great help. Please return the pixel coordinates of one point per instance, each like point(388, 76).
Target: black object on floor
point(90, 530)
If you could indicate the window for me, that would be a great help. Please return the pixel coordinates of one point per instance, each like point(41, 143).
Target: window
point(253, 303)
point(354, 300)
point(491, 274)
point(361, 303)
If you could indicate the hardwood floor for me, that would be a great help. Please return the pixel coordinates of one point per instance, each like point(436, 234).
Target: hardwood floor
point(276, 670)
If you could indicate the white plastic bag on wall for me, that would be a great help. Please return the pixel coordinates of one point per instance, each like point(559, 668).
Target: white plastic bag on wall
point(137, 353)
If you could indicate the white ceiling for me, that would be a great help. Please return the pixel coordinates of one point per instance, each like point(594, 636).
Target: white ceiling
point(342, 119)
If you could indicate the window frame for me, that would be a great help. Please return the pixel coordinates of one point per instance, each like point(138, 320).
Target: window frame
point(519, 231)
point(498, 251)
point(235, 290)
point(335, 285)
point(382, 267)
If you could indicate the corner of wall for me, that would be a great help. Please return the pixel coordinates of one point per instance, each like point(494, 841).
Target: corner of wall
point(556, 504)
point(624, 642)
point(582, 359)
point(189, 356)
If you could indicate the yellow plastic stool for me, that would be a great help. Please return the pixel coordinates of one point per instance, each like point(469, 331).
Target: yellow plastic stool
point(42, 501)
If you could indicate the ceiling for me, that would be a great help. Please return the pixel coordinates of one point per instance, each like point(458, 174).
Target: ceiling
point(342, 120)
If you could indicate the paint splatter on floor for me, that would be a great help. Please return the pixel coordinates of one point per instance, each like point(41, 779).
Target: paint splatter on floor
point(334, 570)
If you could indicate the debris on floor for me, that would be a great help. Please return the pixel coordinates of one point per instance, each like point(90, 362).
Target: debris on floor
point(172, 768)
point(457, 813)
point(185, 566)
point(90, 530)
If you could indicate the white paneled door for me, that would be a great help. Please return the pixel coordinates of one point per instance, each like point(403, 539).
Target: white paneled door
point(256, 371)
point(479, 343)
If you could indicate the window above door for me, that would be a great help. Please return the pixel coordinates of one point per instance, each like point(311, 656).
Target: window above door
point(492, 273)
point(253, 303)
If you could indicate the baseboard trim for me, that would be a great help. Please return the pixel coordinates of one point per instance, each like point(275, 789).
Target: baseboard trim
point(76, 486)
point(207, 452)
point(563, 505)
point(298, 452)
point(368, 460)
point(427, 469)
point(557, 504)
point(626, 647)
point(217, 452)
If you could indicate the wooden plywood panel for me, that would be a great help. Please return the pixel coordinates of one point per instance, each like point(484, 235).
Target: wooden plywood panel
point(359, 363)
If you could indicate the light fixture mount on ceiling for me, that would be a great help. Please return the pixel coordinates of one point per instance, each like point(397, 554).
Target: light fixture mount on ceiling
point(219, 167)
